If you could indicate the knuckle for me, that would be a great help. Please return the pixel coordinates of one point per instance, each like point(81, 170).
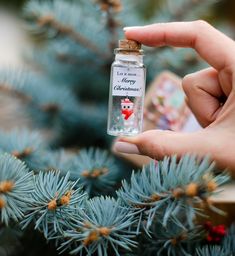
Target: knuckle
point(160, 151)
point(187, 83)
point(151, 144)
point(201, 24)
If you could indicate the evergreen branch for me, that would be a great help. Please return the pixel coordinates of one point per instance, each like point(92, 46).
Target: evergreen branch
point(46, 18)
point(15, 187)
point(32, 85)
point(110, 8)
point(23, 144)
point(112, 5)
point(102, 223)
point(96, 170)
point(171, 239)
point(112, 25)
point(229, 240)
point(159, 190)
point(74, 60)
point(183, 10)
point(57, 160)
point(53, 203)
point(68, 31)
point(212, 251)
point(53, 109)
point(10, 91)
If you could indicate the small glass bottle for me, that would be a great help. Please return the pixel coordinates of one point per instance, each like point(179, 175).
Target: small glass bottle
point(127, 89)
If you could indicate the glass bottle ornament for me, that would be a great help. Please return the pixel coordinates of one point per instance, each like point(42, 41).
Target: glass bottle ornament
point(127, 89)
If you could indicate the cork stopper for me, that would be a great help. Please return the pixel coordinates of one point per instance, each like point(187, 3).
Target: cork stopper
point(129, 45)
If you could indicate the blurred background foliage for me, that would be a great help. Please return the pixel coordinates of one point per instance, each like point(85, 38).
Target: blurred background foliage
point(223, 10)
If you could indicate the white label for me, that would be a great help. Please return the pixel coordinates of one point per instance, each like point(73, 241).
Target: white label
point(128, 82)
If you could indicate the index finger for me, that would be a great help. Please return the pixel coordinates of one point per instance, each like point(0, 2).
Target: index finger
point(212, 45)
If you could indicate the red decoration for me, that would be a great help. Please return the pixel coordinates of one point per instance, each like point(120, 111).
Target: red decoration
point(127, 108)
point(214, 233)
point(127, 113)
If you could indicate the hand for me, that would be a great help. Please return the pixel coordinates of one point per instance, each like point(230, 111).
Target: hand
point(210, 95)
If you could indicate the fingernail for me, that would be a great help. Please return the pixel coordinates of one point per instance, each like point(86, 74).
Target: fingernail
point(129, 28)
point(125, 147)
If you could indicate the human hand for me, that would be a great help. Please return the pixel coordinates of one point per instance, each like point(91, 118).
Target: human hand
point(210, 93)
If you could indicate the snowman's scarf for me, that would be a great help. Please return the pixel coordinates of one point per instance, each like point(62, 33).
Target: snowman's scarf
point(127, 113)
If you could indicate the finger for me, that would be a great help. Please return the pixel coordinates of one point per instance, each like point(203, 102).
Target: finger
point(212, 45)
point(203, 93)
point(158, 144)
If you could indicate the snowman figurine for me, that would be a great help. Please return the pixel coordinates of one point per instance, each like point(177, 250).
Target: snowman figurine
point(127, 110)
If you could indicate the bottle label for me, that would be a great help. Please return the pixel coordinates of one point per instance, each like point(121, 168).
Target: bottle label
point(128, 82)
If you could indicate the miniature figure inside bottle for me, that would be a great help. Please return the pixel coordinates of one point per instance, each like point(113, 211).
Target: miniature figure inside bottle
point(128, 113)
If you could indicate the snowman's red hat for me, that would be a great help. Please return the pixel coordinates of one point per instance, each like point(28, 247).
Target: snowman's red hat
point(126, 101)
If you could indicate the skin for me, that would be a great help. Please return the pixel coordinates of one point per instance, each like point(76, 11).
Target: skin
point(210, 93)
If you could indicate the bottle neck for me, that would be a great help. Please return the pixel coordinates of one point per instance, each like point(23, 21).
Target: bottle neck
point(129, 57)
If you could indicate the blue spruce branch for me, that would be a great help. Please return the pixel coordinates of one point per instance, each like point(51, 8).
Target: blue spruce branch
point(24, 145)
point(103, 223)
point(49, 17)
point(214, 250)
point(172, 239)
point(171, 188)
point(229, 241)
point(48, 109)
point(53, 202)
point(16, 184)
point(96, 170)
point(57, 110)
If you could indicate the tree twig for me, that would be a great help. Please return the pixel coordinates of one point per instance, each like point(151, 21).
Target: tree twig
point(7, 89)
point(69, 31)
point(112, 25)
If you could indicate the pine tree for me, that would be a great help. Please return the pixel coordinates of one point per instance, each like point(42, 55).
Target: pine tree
point(61, 190)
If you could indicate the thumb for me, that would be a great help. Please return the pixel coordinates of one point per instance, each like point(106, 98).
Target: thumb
point(157, 144)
